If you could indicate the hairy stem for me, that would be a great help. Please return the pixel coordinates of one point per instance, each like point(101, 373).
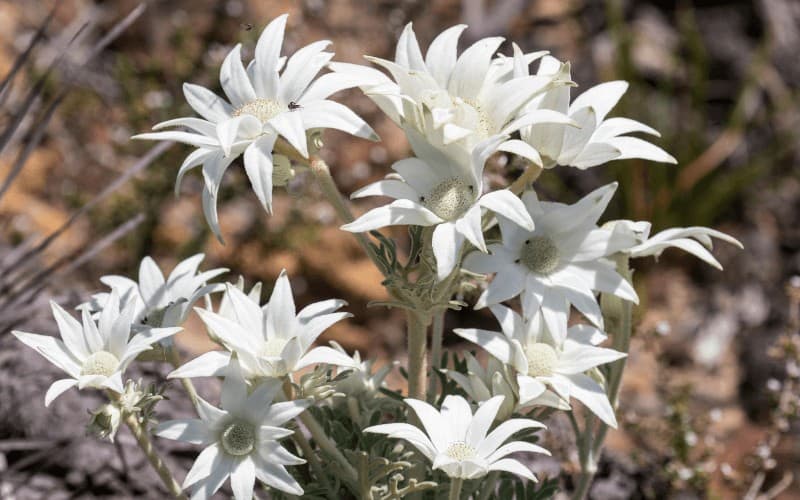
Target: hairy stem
point(417, 347)
point(322, 173)
point(489, 485)
point(455, 488)
point(310, 456)
point(436, 352)
point(175, 360)
point(149, 451)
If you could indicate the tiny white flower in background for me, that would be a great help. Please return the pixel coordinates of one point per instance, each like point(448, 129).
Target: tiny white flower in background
point(546, 359)
point(160, 301)
point(240, 439)
point(459, 443)
point(270, 341)
point(442, 190)
point(694, 240)
point(450, 98)
point(272, 97)
point(498, 379)
point(559, 263)
point(360, 379)
point(596, 139)
point(93, 353)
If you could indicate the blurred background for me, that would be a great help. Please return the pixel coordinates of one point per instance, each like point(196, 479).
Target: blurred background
point(712, 379)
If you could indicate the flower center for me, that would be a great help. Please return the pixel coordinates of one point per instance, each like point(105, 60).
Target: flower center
point(539, 254)
point(542, 359)
point(238, 438)
point(100, 363)
point(460, 451)
point(450, 199)
point(263, 109)
point(273, 348)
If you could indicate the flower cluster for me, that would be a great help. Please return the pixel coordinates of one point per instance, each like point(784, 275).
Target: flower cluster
point(538, 262)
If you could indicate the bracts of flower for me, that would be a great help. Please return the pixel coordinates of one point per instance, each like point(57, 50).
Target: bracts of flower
point(295, 416)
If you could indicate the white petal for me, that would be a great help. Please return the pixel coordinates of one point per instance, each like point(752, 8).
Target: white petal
point(511, 323)
point(301, 68)
point(399, 212)
point(281, 320)
point(280, 413)
point(435, 426)
point(330, 114)
point(277, 477)
point(407, 52)
point(267, 55)
point(318, 308)
point(483, 420)
point(592, 395)
point(234, 79)
point(506, 203)
point(469, 226)
point(523, 149)
point(392, 188)
point(633, 147)
point(614, 127)
point(206, 103)
point(504, 431)
point(194, 159)
point(290, 126)
point(601, 97)
point(408, 432)
point(577, 358)
point(508, 283)
point(441, 56)
point(203, 465)
point(58, 388)
point(575, 139)
point(243, 479)
point(595, 153)
point(189, 138)
point(230, 332)
point(71, 331)
point(190, 430)
point(470, 69)
point(447, 244)
point(258, 165)
point(328, 84)
point(325, 355)
point(516, 447)
point(514, 467)
point(495, 343)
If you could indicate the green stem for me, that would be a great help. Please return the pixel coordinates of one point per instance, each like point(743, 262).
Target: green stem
point(310, 456)
point(436, 352)
point(149, 451)
point(455, 488)
point(417, 347)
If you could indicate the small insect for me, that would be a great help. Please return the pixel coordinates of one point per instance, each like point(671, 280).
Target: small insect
point(422, 199)
point(246, 26)
point(471, 188)
point(293, 106)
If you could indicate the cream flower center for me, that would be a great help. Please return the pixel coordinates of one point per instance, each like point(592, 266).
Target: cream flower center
point(460, 451)
point(238, 438)
point(273, 348)
point(100, 363)
point(539, 254)
point(542, 359)
point(450, 198)
point(263, 109)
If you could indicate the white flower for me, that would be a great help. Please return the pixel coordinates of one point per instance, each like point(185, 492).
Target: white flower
point(158, 301)
point(264, 103)
point(93, 354)
point(694, 240)
point(559, 263)
point(359, 379)
point(595, 140)
point(449, 98)
point(240, 439)
point(456, 441)
point(543, 358)
point(270, 341)
point(446, 191)
point(497, 380)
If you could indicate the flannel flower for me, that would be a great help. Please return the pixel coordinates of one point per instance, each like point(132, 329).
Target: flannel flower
point(269, 341)
point(265, 103)
point(442, 189)
point(240, 439)
point(694, 240)
point(456, 99)
point(498, 379)
point(544, 359)
point(456, 441)
point(560, 263)
point(595, 140)
point(93, 353)
point(160, 301)
point(360, 380)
